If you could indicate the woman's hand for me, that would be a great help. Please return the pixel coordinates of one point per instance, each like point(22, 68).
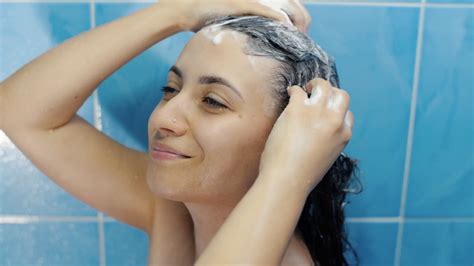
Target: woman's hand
point(308, 136)
point(195, 13)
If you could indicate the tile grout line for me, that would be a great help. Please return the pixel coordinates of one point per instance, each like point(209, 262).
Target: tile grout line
point(387, 4)
point(411, 128)
point(29, 219)
point(361, 3)
point(311, 2)
point(98, 125)
point(100, 220)
point(372, 219)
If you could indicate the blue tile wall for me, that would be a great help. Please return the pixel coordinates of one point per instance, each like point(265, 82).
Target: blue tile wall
point(379, 80)
point(27, 31)
point(374, 243)
point(125, 245)
point(438, 243)
point(441, 179)
point(375, 46)
point(451, 1)
point(49, 243)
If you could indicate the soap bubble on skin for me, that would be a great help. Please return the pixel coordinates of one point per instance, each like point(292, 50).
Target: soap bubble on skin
point(218, 38)
point(210, 32)
point(215, 34)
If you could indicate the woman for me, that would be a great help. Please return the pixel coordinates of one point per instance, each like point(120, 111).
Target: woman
point(222, 96)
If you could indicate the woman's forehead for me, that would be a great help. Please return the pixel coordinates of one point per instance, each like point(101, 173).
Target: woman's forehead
point(222, 53)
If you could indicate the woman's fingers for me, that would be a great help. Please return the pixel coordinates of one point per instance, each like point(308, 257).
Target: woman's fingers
point(290, 12)
point(274, 13)
point(322, 124)
point(303, 19)
point(320, 91)
point(340, 104)
point(349, 119)
point(334, 103)
point(349, 124)
point(297, 94)
point(287, 11)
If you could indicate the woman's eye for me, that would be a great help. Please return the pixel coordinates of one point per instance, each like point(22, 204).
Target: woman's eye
point(208, 100)
point(167, 89)
point(213, 103)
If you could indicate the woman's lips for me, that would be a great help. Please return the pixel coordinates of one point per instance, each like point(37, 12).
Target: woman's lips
point(162, 155)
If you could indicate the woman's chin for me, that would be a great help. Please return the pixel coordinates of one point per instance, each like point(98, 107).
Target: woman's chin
point(168, 187)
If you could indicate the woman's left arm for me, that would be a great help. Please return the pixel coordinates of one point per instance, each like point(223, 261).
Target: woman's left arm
point(305, 141)
point(260, 227)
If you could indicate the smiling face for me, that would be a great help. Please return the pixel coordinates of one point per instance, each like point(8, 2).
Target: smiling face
point(218, 109)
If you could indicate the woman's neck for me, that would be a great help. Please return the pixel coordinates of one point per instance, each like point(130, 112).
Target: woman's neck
point(207, 219)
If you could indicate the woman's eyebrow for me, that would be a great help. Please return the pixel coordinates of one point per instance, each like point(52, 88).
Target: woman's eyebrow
point(209, 80)
point(177, 71)
point(219, 80)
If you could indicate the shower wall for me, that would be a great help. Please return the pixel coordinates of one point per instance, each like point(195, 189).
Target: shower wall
point(408, 66)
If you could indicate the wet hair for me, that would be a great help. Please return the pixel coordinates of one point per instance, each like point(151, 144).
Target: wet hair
point(300, 60)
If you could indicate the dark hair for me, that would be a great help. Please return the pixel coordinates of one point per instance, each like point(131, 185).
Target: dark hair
point(301, 60)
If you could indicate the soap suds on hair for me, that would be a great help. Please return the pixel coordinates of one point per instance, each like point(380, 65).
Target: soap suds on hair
point(297, 58)
point(215, 34)
point(301, 59)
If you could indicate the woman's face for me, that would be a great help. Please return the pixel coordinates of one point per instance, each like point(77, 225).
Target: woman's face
point(225, 143)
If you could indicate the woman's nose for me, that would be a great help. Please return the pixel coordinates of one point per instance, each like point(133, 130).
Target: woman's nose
point(169, 119)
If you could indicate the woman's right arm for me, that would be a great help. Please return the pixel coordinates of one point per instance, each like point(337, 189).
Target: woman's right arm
point(38, 105)
point(56, 84)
